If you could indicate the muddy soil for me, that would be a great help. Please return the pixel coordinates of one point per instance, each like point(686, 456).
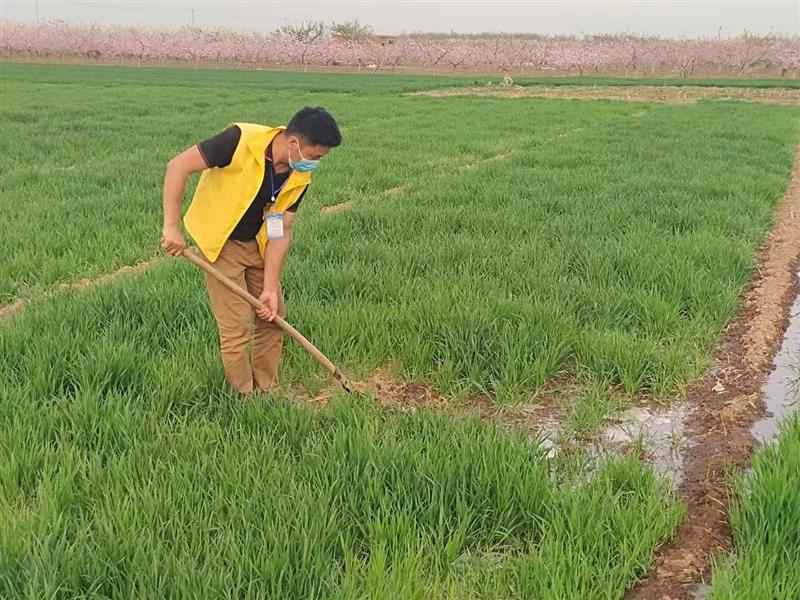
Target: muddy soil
point(399, 395)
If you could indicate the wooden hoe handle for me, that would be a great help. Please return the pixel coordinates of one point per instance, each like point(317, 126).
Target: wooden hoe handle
point(298, 337)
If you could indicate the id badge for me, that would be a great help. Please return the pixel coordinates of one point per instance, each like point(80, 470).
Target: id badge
point(274, 226)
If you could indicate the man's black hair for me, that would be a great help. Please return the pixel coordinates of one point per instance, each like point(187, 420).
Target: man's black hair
point(316, 126)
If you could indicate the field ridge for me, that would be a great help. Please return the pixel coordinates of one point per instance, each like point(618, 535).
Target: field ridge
point(664, 94)
point(17, 305)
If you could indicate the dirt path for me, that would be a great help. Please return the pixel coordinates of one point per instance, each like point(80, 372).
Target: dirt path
point(347, 205)
point(723, 407)
point(11, 309)
point(635, 93)
point(16, 306)
point(335, 208)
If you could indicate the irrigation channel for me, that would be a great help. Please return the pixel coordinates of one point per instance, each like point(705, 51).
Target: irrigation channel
point(781, 390)
point(781, 395)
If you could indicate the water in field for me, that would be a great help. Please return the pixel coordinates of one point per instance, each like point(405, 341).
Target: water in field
point(702, 592)
point(661, 432)
point(549, 432)
point(781, 390)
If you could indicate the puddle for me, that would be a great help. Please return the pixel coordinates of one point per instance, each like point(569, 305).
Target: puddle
point(548, 436)
point(702, 592)
point(662, 434)
point(781, 393)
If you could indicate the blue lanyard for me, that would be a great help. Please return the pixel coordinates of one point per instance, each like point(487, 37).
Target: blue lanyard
point(273, 191)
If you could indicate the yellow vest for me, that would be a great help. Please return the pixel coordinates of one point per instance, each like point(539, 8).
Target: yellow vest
point(224, 194)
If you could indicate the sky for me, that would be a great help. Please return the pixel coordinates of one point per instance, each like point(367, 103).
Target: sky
point(668, 18)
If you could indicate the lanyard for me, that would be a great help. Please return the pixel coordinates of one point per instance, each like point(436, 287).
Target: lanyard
point(273, 191)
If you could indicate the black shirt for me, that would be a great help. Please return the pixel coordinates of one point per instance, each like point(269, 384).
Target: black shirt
point(218, 152)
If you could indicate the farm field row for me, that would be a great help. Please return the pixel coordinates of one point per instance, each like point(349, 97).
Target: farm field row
point(612, 238)
point(352, 83)
point(105, 161)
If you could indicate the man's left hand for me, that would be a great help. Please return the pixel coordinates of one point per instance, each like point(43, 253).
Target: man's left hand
point(269, 300)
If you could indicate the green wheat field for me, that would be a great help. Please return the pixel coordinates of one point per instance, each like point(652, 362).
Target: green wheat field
point(491, 246)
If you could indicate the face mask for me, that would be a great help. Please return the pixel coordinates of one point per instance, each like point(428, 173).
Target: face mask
point(303, 164)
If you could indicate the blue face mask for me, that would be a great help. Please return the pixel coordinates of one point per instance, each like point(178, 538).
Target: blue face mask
point(303, 164)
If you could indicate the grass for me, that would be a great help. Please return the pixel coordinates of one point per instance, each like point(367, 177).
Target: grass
point(587, 411)
point(613, 244)
point(766, 526)
point(492, 244)
point(579, 253)
point(333, 82)
point(263, 82)
point(127, 472)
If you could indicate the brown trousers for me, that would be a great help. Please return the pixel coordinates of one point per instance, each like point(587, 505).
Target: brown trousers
point(242, 263)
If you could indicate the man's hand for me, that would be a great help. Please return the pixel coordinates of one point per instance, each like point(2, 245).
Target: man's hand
point(172, 241)
point(269, 298)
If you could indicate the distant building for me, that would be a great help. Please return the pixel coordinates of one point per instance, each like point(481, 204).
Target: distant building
point(375, 39)
point(384, 40)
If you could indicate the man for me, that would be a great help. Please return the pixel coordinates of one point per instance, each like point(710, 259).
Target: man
point(254, 178)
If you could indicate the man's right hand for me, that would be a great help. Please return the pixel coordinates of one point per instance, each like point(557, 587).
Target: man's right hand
point(172, 241)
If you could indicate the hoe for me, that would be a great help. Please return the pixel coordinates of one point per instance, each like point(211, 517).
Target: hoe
point(298, 337)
